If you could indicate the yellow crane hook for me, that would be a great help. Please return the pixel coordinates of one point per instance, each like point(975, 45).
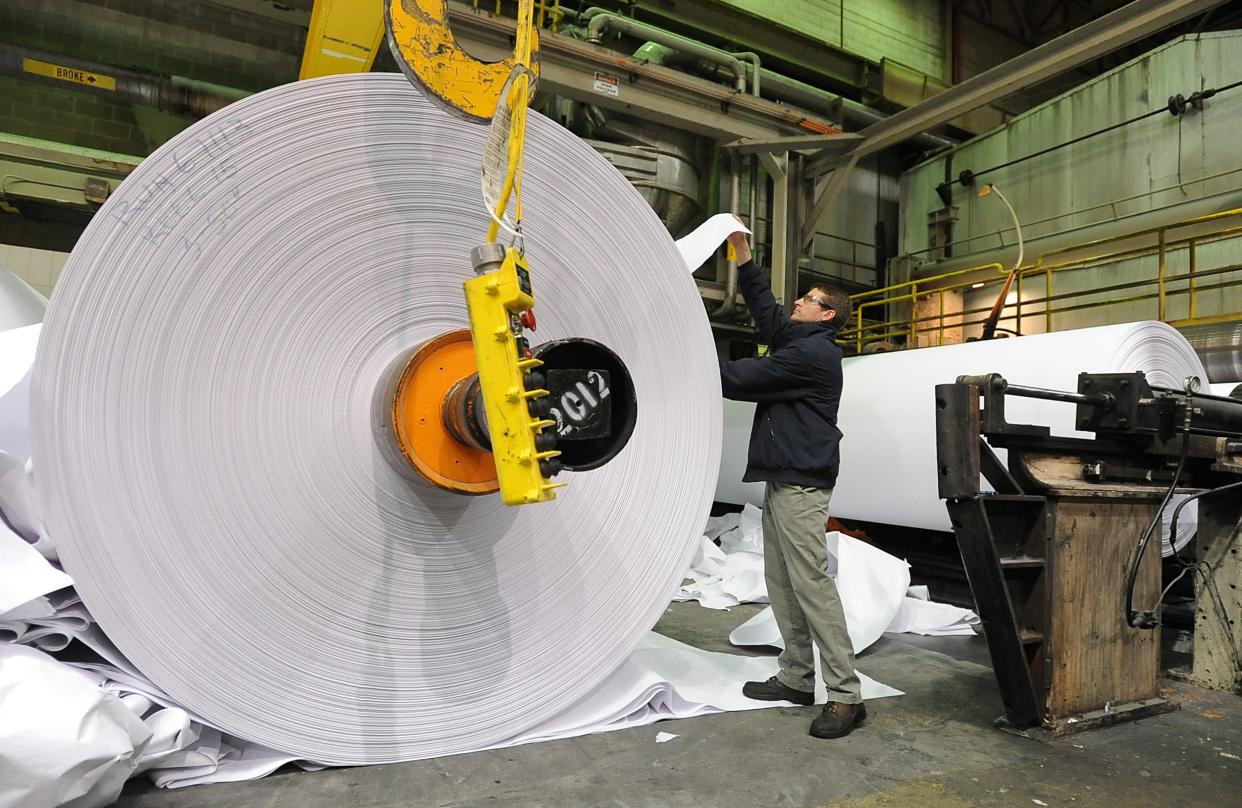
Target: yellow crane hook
point(429, 54)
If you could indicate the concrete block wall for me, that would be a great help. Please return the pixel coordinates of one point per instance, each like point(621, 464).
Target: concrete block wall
point(39, 268)
point(70, 116)
point(197, 40)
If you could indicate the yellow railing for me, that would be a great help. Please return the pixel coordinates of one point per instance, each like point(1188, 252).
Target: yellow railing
point(885, 327)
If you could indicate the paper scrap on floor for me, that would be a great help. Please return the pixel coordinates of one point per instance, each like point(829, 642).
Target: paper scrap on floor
point(874, 585)
point(113, 725)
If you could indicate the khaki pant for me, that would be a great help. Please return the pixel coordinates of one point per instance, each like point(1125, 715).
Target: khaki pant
point(804, 599)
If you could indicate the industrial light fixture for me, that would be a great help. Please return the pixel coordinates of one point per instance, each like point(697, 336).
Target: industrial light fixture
point(978, 285)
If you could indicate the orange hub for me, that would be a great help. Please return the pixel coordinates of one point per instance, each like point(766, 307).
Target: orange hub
point(419, 427)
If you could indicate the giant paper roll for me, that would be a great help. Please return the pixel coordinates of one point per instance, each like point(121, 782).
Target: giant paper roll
point(888, 454)
point(206, 452)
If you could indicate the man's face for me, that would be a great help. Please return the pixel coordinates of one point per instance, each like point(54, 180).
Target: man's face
point(811, 308)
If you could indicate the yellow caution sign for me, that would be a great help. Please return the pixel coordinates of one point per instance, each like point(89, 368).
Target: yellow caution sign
point(73, 75)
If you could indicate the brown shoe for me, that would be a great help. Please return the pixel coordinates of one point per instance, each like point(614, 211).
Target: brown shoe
point(838, 720)
point(776, 690)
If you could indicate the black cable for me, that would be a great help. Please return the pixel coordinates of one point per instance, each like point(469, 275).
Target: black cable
point(968, 177)
point(1177, 512)
point(1204, 571)
point(1148, 620)
point(1147, 616)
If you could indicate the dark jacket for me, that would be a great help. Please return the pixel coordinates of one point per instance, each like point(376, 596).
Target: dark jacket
point(797, 387)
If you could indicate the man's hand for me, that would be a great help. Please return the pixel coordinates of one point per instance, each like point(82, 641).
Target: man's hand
point(741, 247)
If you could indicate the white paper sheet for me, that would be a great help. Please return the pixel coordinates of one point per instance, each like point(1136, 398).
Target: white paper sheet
point(17, 504)
point(17, 354)
point(872, 584)
point(923, 616)
point(20, 303)
point(63, 739)
point(665, 679)
point(24, 574)
point(33, 609)
point(697, 246)
point(662, 679)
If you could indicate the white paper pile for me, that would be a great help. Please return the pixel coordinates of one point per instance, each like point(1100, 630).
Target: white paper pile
point(731, 572)
point(919, 614)
point(20, 304)
point(873, 585)
point(62, 738)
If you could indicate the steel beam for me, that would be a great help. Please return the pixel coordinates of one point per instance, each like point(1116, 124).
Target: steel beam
point(833, 142)
point(1104, 35)
point(53, 173)
point(777, 166)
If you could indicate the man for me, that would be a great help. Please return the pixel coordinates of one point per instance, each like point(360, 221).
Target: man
point(794, 450)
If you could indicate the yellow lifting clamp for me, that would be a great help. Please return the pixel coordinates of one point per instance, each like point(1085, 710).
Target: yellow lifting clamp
point(513, 392)
point(500, 298)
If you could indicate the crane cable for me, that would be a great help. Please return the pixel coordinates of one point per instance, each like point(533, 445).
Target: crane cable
point(517, 94)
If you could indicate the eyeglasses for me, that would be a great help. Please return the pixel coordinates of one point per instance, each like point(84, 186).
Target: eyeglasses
point(810, 298)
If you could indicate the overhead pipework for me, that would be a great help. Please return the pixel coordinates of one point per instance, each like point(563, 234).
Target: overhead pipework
point(599, 21)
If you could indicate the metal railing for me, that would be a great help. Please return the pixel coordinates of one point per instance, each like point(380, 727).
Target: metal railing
point(886, 327)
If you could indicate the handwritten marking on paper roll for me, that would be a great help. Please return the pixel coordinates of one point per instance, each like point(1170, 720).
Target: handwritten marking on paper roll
point(216, 149)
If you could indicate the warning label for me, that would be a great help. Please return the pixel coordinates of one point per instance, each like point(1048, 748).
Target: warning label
point(74, 75)
point(607, 84)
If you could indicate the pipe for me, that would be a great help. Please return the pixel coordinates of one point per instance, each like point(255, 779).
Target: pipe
point(735, 199)
point(172, 94)
point(756, 69)
point(603, 20)
point(653, 53)
point(754, 203)
point(778, 86)
point(853, 114)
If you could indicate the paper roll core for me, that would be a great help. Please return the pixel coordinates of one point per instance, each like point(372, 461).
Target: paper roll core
point(421, 422)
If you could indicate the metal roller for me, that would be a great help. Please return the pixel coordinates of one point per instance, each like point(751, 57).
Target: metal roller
point(1219, 346)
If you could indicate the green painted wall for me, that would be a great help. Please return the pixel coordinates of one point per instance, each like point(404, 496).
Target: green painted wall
point(908, 31)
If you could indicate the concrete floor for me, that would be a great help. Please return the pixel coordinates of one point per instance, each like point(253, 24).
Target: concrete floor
point(933, 748)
